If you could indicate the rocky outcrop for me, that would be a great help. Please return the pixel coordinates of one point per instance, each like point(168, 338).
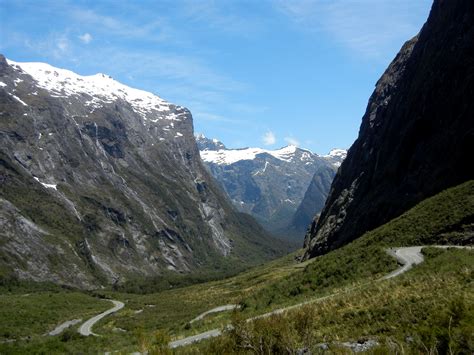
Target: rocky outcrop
point(416, 137)
point(101, 182)
point(271, 184)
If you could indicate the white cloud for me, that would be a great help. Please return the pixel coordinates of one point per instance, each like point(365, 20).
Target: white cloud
point(369, 27)
point(152, 31)
point(269, 138)
point(86, 38)
point(292, 141)
point(62, 44)
point(223, 16)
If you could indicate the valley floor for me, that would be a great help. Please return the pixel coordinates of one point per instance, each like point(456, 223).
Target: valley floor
point(427, 309)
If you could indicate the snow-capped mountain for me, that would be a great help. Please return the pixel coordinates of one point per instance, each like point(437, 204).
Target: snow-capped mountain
point(102, 182)
point(206, 144)
point(270, 184)
point(336, 156)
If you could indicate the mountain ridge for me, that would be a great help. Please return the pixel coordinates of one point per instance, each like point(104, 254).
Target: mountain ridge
point(109, 180)
point(271, 184)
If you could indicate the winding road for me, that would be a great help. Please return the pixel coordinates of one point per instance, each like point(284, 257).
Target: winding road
point(86, 328)
point(227, 307)
point(406, 256)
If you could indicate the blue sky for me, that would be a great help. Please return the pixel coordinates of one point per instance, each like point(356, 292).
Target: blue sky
point(253, 72)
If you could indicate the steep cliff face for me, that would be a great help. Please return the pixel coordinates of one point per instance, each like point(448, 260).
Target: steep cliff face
point(313, 200)
point(270, 184)
point(416, 137)
point(101, 182)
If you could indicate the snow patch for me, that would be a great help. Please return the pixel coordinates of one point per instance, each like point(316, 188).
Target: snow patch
point(261, 171)
point(339, 153)
point(230, 156)
point(100, 87)
point(18, 99)
point(2, 84)
point(48, 186)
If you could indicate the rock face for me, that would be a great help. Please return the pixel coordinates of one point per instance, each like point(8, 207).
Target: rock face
point(101, 182)
point(313, 200)
point(416, 137)
point(270, 184)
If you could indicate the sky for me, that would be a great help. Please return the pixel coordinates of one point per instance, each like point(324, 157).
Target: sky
point(254, 73)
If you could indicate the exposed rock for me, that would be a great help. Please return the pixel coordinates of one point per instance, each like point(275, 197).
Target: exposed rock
point(101, 182)
point(416, 137)
point(271, 184)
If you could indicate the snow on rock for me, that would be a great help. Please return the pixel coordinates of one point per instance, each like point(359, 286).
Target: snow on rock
point(100, 87)
point(18, 99)
point(336, 156)
point(2, 84)
point(48, 186)
point(336, 153)
point(230, 156)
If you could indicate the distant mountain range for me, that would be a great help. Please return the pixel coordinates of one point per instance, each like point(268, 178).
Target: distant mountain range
point(102, 183)
point(271, 185)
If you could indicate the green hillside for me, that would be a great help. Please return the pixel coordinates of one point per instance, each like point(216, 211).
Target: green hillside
point(429, 307)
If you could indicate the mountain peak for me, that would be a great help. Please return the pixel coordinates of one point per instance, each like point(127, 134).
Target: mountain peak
point(205, 143)
point(101, 88)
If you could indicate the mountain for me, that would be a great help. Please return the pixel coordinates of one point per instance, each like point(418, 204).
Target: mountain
point(205, 143)
point(416, 137)
point(101, 183)
point(271, 184)
point(313, 200)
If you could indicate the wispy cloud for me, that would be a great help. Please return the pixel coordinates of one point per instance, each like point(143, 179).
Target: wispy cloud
point(152, 31)
point(57, 45)
point(292, 141)
point(164, 59)
point(367, 27)
point(224, 17)
point(269, 138)
point(86, 38)
point(212, 117)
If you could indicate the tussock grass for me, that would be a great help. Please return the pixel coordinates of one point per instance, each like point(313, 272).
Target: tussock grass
point(428, 309)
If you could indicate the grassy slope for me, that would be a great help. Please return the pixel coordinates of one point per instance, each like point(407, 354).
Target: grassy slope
point(442, 283)
point(40, 312)
point(430, 309)
point(445, 217)
point(169, 310)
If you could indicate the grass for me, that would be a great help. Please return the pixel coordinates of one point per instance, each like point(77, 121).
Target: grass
point(428, 310)
point(433, 221)
point(169, 311)
point(361, 308)
point(37, 313)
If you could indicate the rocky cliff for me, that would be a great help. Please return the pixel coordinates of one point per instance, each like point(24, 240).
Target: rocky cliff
point(271, 184)
point(313, 200)
point(101, 182)
point(416, 137)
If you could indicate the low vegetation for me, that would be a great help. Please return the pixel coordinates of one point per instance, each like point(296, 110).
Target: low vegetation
point(447, 218)
point(428, 309)
point(25, 315)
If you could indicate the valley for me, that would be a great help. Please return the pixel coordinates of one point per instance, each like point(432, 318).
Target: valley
point(124, 231)
point(283, 189)
point(346, 275)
